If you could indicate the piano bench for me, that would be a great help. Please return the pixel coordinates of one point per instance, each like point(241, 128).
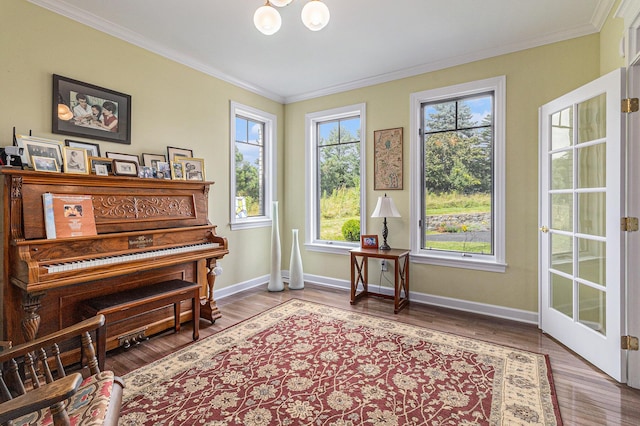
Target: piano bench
point(126, 304)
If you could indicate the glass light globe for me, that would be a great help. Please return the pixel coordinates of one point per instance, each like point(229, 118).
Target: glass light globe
point(315, 15)
point(267, 20)
point(280, 3)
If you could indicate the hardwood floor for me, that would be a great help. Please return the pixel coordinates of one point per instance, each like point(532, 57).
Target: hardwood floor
point(586, 396)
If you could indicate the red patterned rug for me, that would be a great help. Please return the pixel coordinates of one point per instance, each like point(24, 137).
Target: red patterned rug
point(302, 363)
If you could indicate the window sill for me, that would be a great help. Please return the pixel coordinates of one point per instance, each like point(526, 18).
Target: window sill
point(464, 263)
point(328, 247)
point(249, 224)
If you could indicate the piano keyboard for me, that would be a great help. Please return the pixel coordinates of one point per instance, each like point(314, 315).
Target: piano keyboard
point(110, 260)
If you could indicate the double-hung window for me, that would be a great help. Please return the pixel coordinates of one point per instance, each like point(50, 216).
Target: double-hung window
point(335, 159)
point(457, 152)
point(253, 178)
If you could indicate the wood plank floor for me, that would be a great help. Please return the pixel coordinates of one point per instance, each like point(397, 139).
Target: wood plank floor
point(586, 396)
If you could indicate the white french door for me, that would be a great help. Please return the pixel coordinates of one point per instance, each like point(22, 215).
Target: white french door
point(581, 259)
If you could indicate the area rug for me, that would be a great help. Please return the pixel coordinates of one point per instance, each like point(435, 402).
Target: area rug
point(303, 363)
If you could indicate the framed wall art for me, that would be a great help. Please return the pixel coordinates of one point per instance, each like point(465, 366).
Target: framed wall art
point(387, 149)
point(86, 110)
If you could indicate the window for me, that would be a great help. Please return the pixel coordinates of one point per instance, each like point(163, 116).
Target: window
point(457, 152)
point(335, 159)
point(253, 183)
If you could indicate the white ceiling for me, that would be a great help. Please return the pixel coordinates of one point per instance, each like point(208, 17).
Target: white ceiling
point(366, 41)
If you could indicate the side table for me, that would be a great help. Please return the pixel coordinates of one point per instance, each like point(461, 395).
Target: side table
point(360, 274)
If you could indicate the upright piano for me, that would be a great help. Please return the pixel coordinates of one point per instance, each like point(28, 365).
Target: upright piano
point(148, 231)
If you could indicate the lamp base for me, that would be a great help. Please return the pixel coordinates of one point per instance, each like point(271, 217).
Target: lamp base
point(384, 246)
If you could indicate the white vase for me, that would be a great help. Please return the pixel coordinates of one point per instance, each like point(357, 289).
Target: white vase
point(296, 276)
point(275, 281)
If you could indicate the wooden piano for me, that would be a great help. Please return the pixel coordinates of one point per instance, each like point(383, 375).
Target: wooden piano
point(148, 231)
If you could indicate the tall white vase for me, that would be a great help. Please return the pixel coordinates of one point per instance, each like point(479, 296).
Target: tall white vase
point(275, 281)
point(296, 276)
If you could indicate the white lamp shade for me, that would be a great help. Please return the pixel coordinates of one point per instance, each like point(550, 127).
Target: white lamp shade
point(280, 3)
point(385, 208)
point(315, 15)
point(267, 20)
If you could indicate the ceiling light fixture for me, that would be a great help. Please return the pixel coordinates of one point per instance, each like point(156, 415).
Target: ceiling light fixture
point(315, 16)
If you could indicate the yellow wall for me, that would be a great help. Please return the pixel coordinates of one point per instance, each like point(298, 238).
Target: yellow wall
point(534, 77)
point(172, 105)
point(177, 106)
point(611, 37)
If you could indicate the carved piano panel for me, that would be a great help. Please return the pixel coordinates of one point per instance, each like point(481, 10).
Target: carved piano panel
point(149, 230)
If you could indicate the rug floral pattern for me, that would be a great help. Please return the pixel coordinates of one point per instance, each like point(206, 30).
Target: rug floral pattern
point(302, 363)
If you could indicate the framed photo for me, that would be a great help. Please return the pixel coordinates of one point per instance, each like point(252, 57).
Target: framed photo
point(93, 149)
point(86, 110)
point(193, 168)
point(125, 157)
point(39, 147)
point(94, 162)
point(369, 241)
point(125, 168)
point(76, 160)
point(163, 170)
point(177, 170)
point(173, 152)
point(45, 164)
point(102, 170)
point(152, 160)
point(387, 154)
point(146, 172)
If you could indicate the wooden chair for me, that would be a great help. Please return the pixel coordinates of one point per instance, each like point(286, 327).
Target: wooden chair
point(29, 394)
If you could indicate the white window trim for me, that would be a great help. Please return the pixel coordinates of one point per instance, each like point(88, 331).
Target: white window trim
point(270, 186)
point(492, 263)
point(311, 177)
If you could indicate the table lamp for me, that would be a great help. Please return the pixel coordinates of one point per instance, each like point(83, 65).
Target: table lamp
point(385, 208)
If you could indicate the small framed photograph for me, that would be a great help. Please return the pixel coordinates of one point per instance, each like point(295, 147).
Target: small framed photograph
point(124, 157)
point(93, 149)
point(96, 161)
point(369, 241)
point(193, 168)
point(177, 170)
point(75, 160)
point(173, 152)
point(102, 170)
point(125, 168)
point(45, 164)
point(152, 160)
point(146, 172)
point(163, 170)
point(85, 110)
point(39, 147)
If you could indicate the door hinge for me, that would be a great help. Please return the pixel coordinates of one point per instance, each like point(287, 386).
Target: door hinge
point(629, 224)
point(629, 343)
point(630, 105)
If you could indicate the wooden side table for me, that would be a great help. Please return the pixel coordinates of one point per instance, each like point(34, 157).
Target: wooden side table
point(360, 274)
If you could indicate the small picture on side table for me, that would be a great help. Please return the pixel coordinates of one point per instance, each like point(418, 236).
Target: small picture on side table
point(369, 241)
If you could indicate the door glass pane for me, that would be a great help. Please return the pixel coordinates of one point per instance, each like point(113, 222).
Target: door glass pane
point(562, 170)
point(592, 119)
point(562, 129)
point(592, 166)
point(592, 261)
point(562, 212)
point(562, 253)
point(592, 213)
point(562, 294)
point(592, 308)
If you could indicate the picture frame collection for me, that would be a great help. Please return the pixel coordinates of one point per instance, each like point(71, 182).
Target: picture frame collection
point(80, 157)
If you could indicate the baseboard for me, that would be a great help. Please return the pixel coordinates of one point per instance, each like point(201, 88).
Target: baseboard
point(415, 297)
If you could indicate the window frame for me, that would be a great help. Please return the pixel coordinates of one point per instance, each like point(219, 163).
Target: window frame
point(311, 177)
point(270, 122)
point(495, 262)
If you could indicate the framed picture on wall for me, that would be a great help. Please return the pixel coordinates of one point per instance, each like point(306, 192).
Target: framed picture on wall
point(387, 155)
point(86, 110)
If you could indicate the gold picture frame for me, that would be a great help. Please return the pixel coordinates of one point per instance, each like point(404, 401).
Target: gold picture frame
point(193, 168)
point(75, 160)
point(387, 168)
